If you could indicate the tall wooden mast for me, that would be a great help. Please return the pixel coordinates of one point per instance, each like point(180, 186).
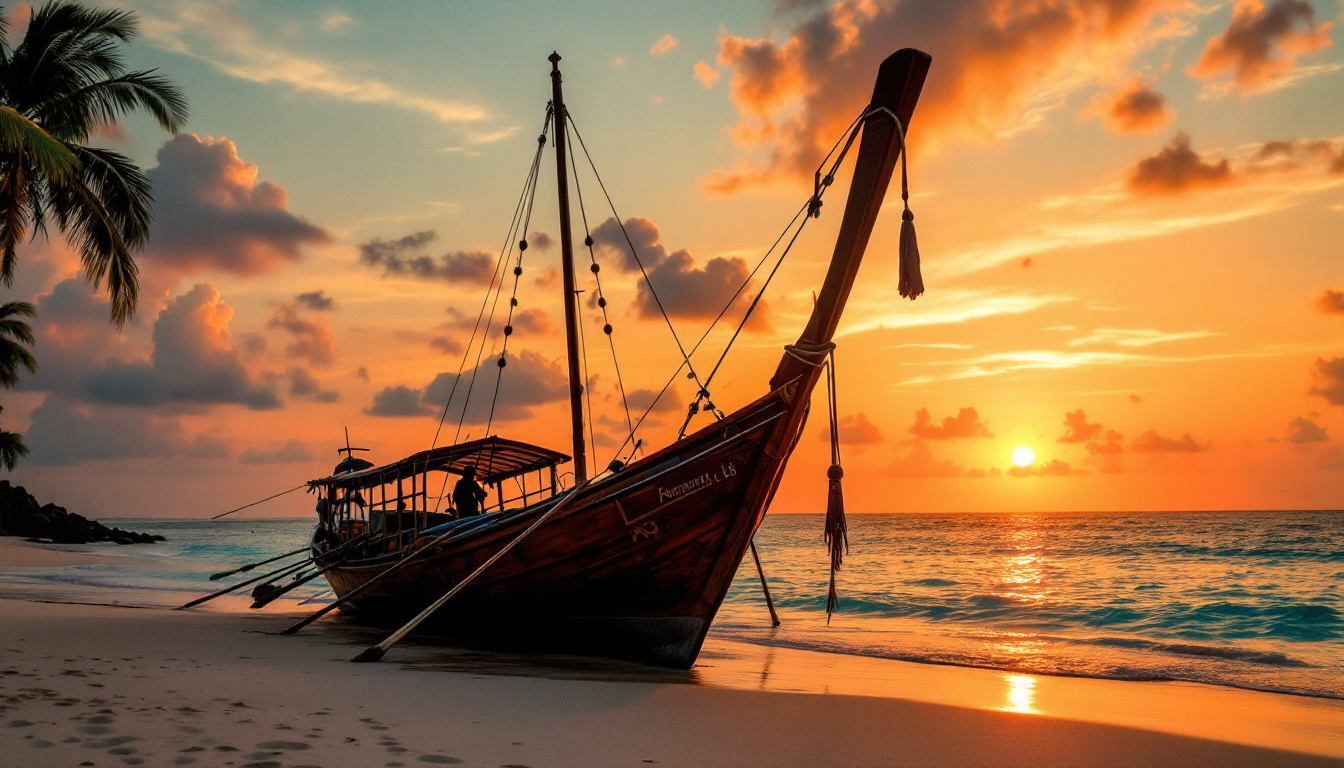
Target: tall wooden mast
point(576, 382)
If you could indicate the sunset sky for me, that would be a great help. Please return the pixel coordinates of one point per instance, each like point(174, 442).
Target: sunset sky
point(1130, 212)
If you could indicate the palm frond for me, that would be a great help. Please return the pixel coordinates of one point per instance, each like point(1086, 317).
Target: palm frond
point(21, 136)
point(80, 112)
point(10, 324)
point(12, 448)
point(96, 231)
point(14, 356)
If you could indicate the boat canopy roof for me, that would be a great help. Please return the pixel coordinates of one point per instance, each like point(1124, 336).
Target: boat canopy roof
point(495, 459)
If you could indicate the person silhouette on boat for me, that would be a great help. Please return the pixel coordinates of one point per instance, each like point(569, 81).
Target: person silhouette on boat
point(468, 494)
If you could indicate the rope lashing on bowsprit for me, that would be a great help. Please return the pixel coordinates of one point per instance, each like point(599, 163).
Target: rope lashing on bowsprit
point(836, 530)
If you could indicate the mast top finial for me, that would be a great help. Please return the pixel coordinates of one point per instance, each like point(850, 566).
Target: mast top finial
point(554, 58)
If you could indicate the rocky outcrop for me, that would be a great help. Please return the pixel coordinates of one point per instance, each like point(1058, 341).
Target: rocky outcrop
point(21, 515)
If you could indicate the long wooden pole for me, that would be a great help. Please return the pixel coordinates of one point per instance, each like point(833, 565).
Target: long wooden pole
point(250, 566)
point(376, 652)
point(774, 617)
point(576, 382)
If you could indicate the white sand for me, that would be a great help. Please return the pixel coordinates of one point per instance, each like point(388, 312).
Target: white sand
point(106, 686)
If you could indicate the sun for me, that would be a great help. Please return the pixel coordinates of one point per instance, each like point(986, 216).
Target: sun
point(1023, 456)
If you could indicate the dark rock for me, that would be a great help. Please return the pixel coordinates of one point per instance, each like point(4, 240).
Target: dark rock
point(20, 515)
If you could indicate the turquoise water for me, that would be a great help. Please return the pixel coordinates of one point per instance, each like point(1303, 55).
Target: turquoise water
point(1247, 599)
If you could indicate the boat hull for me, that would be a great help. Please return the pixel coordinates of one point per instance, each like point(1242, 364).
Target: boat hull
point(635, 567)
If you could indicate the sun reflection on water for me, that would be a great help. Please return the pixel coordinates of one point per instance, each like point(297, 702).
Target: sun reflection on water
point(1021, 694)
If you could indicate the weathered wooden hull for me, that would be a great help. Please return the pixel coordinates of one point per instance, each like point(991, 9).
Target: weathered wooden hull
point(636, 567)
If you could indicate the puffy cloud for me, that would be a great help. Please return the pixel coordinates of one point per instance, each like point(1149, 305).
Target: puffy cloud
point(999, 67)
point(1106, 451)
point(73, 337)
point(1133, 108)
point(405, 257)
point(1052, 468)
point(1301, 430)
point(1331, 302)
point(966, 424)
point(302, 383)
point(532, 322)
point(312, 336)
point(684, 289)
point(193, 361)
point(1079, 430)
point(397, 401)
point(540, 241)
point(1328, 380)
point(527, 381)
point(317, 301)
point(211, 213)
point(445, 345)
point(291, 452)
point(65, 431)
point(1176, 169)
point(920, 463)
point(855, 429)
point(1152, 442)
point(705, 74)
point(1262, 43)
point(664, 45)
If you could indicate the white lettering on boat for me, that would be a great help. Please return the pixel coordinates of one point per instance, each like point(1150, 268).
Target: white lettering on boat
point(697, 483)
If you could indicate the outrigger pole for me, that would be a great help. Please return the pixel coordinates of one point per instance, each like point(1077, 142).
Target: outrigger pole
point(576, 382)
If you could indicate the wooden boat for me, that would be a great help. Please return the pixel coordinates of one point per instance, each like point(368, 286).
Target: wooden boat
point(639, 559)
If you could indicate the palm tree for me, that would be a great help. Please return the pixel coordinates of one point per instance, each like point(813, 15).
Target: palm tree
point(64, 80)
point(15, 336)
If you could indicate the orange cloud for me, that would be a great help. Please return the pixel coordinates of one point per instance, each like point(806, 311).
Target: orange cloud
point(1328, 380)
point(1079, 430)
point(1303, 430)
point(1262, 43)
point(1331, 302)
point(966, 424)
point(1133, 108)
point(1052, 468)
point(920, 463)
point(1106, 452)
point(706, 74)
point(855, 429)
point(211, 213)
point(1152, 442)
point(1177, 169)
point(664, 45)
point(997, 67)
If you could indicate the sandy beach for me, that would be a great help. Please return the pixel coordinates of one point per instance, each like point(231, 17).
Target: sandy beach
point(112, 685)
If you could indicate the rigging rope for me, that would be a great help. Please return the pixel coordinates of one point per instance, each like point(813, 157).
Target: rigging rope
point(506, 250)
point(686, 358)
point(601, 297)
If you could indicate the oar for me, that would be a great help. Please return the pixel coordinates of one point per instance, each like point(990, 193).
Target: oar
point(250, 566)
point(319, 595)
point(280, 571)
point(240, 585)
point(376, 652)
point(259, 602)
point(774, 617)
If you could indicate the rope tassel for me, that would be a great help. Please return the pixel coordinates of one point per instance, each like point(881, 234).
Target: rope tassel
point(911, 283)
point(837, 530)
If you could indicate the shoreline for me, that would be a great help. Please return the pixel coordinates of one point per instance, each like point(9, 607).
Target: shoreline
point(1260, 728)
point(217, 687)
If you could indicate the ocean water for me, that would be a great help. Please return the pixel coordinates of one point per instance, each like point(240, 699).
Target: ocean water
point(1246, 599)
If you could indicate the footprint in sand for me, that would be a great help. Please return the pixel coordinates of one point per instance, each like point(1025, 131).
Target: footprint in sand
point(179, 761)
point(42, 744)
point(440, 759)
point(94, 730)
point(19, 723)
point(292, 745)
point(98, 720)
point(262, 764)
